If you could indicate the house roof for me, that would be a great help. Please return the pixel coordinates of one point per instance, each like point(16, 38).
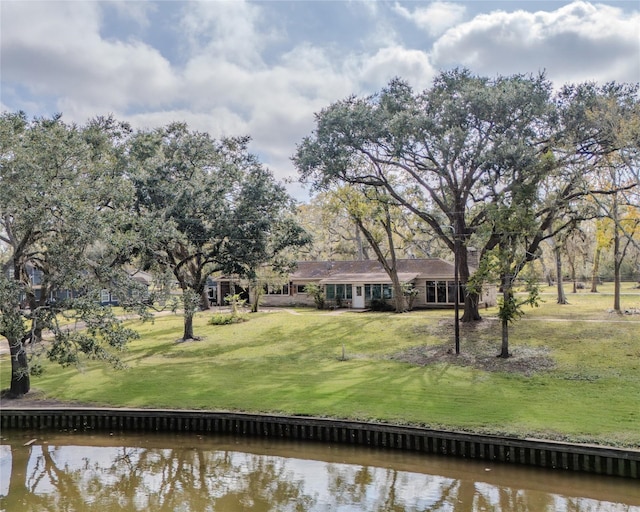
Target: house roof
point(370, 270)
point(372, 277)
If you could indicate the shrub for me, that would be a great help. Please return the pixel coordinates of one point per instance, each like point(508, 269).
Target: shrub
point(227, 319)
point(236, 302)
point(316, 291)
point(410, 293)
point(381, 305)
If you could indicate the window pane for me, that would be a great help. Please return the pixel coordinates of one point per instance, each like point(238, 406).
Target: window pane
point(376, 291)
point(349, 291)
point(441, 291)
point(387, 291)
point(367, 291)
point(330, 291)
point(451, 291)
point(431, 291)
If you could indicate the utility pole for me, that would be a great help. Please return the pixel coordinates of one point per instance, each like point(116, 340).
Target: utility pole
point(456, 281)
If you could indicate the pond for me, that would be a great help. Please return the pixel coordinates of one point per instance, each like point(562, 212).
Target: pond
point(179, 472)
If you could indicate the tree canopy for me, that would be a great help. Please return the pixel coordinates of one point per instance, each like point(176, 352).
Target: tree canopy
point(459, 151)
point(444, 154)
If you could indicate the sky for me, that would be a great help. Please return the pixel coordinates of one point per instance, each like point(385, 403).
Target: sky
point(264, 68)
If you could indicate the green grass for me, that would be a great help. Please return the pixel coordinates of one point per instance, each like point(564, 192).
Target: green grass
point(292, 363)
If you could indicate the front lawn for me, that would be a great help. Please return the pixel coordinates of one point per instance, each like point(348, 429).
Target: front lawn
point(574, 374)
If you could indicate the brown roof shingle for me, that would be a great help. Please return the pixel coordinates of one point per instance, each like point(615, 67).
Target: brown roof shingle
point(357, 270)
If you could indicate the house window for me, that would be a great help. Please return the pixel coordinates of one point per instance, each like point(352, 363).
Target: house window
point(105, 296)
point(300, 288)
point(378, 291)
point(431, 292)
point(330, 291)
point(277, 290)
point(36, 277)
point(373, 291)
point(443, 292)
point(338, 291)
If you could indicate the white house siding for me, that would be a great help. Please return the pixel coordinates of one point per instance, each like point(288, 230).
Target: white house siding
point(292, 300)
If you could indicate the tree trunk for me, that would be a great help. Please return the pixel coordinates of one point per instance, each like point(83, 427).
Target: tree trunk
point(562, 298)
point(255, 297)
point(471, 300)
point(188, 327)
point(617, 262)
point(20, 381)
point(398, 295)
point(204, 300)
point(573, 277)
point(190, 302)
point(504, 349)
point(596, 269)
point(507, 297)
point(471, 308)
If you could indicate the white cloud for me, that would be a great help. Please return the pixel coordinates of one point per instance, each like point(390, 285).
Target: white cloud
point(376, 70)
point(274, 105)
point(227, 78)
point(576, 42)
point(240, 74)
point(55, 49)
point(135, 11)
point(436, 18)
point(227, 30)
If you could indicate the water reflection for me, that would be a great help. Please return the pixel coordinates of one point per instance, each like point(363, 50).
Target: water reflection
point(204, 473)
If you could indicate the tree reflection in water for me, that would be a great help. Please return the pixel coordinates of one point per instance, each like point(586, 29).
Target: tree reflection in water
point(79, 473)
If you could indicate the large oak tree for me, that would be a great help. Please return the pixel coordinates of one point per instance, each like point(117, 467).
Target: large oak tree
point(460, 150)
point(205, 206)
point(60, 194)
point(444, 154)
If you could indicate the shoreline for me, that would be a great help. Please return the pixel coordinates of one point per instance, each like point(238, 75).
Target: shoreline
point(35, 414)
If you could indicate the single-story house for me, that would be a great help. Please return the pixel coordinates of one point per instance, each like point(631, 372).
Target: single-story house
point(355, 284)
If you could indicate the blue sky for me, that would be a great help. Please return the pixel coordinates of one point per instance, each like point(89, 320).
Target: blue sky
point(264, 68)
